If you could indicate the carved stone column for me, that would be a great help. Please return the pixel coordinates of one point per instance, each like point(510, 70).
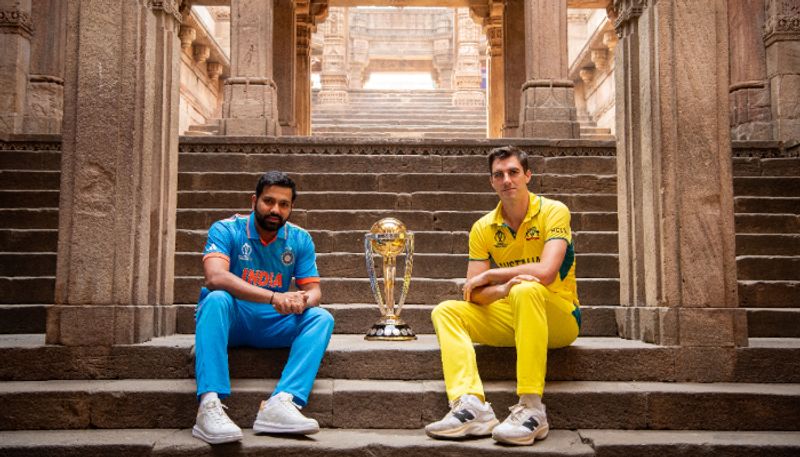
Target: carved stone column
point(676, 231)
point(443, 52)
point(496, 86)
point(751, 115)
point(284, 38)
point(333, 77)
point(16, 28)
point(45, 94)
point(302, 96)
point(782, 41)
point(358, 45)
point(251, 103)
point(548, 101)
point(514, 56)
point(117, 208)
point(467, 78)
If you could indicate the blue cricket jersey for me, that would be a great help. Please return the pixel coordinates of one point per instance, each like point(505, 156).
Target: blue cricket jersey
point(269, 265)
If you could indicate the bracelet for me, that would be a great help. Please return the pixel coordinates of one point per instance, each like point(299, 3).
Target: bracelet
point(270, 298)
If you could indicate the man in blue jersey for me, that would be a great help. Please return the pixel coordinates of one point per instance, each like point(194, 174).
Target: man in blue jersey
point(249, 262)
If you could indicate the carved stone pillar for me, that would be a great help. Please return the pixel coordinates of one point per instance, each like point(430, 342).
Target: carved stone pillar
point(284, 38)
point(303, 76)
point(117, 209)
point(333, 77)
point(514, 56)
point(250, 99)
point(677, 257)
point(443, 52)
point(467, 78)
point(548, 101)
point(782, 41)
point(16, 28)
point(496, 84)
point(359, 60)
point(45, 93)
point(749, 89)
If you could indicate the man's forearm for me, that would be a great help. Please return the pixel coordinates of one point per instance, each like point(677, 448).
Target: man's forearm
point(487, 294)
point(503, 275)
point(239, 288)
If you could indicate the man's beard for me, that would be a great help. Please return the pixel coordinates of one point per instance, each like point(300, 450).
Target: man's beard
point(270, 225)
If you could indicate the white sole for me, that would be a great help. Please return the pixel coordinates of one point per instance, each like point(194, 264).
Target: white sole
point(266, 427)
point(527, 441)
point(468, 429)
point(197, 433)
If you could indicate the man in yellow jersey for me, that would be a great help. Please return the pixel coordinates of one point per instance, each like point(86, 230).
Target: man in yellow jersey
point(529, 301)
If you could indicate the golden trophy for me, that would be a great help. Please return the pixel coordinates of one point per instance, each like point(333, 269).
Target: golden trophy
point(389, 238)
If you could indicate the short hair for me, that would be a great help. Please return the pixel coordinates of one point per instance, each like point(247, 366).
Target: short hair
point(505, 152)
point(276, 178)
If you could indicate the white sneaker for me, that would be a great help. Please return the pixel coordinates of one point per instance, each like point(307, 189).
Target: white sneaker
point(214, 426)
point(523, 426)
point(468, 416)
point(280, 414)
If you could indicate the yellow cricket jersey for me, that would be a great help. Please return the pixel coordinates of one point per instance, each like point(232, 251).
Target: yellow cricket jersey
point(491, 238)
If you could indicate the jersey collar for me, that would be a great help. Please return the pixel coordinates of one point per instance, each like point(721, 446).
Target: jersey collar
point(252, 232)
point(534, 206)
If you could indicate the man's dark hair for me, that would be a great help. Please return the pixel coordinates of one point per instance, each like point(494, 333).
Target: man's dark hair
point(275, 178)
point(506, 152)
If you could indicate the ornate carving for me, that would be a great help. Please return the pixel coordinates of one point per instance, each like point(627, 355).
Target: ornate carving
point(610, 40)
point(625, 12)
point(782, 22)
point(600, 59)
point(16, 22)
point(187, 35)
point(171, 7)
point(587, 75)
point(201, 53)
point(214, 70)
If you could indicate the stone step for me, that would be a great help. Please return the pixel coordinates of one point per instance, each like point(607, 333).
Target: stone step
point(29, 180)
point(775, 360)
point(431, 121)
point(766, 267)
point(394, 442)
point(768, 223)
point(423, 162)
point(27, 264)
point(357, 319)
point(27, 290)
point(414, 131)
point(338, 220)
point(768, 244)
point(398, 182)
point(19, 318)
point(769, 293)
point(30, 160)
point(786, 205)
point(29, 240)
point(172, 403)
point(597, 137)
point(191, 241)
point(767, 186)
point(367, 110)
point(384, 135)
point(29, 198)
point(783, 323)
point(432, 201)
point(592, 291)
point(783, 166)
point(349, 264)
point(29, 218)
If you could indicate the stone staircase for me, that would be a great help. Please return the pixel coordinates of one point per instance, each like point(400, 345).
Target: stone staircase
point(606, 396)
point(397, 114)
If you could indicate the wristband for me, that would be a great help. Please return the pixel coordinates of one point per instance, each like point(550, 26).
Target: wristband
point(270, 298)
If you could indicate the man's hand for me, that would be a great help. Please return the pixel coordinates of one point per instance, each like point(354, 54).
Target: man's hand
point(473, 283)
point(517, 280)
point(290, 302)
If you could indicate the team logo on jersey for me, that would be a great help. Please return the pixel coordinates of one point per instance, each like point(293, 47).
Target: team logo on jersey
point(499, 239)
point(246, 251)
point(287, 257)
point(532, 234)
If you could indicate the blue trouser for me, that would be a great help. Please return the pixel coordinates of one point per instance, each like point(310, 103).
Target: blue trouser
point(224, 321)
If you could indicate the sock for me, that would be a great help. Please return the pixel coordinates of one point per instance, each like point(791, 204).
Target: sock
point(207, 397)
point(532, 401)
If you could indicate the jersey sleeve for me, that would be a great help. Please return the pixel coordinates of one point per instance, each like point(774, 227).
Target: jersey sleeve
point(478, 248)
point(219, 243)
point(557, 224)
point(305, 271)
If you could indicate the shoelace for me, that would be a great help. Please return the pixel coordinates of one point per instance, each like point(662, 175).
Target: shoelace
point(217, 414)
point(516, 415)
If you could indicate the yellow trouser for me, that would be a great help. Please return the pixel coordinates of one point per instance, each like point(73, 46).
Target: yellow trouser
point(531, 318)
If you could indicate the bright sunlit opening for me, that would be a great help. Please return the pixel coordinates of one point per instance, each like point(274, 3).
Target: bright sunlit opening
point(390, 81)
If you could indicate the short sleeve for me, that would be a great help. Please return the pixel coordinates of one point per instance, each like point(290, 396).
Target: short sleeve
point(478, 249)
point(305, 270)
point(557, 224)
point(219, 242)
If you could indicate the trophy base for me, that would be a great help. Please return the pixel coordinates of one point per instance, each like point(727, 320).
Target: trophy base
point(390, 329)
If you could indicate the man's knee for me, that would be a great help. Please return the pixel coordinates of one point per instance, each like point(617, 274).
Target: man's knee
point(320, 316)
point(445, 309)
point(527, 290)
point(215, 302)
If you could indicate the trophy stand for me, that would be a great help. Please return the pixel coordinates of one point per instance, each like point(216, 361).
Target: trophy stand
point(389, 238)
